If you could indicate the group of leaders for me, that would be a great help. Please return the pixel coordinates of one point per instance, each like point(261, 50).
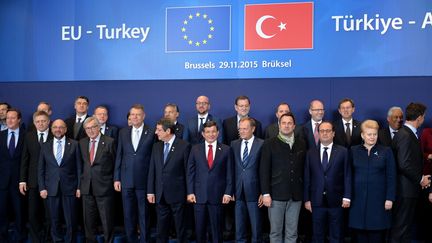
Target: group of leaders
point(327, 167)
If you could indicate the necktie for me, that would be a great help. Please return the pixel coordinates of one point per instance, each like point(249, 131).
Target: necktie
point(77, 127)
point(245, 153)
point(393, 134)
point(316, 134)
point(92, 150)
point(201, 124)
point(135, 140)
point(41, 138)
point(348, 133)
point(166, 151)
point(12, 144)
point(325, 158)
point(58, 155)
point(210, 156)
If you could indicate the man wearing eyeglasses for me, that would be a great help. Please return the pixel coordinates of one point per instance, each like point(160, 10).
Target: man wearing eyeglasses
point(98, 156)
point(327, 185)
point(194, 127)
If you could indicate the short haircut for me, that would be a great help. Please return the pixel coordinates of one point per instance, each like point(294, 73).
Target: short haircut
point(138, 107)
point(282, 103)
point(369, 124)
point(310, 104)
point(167, 124)
point(346, 100)
point(414, 110)
point(16, 110)
point(288, 114)
point(101, 107)
point(40, 113)
point(210, 124)
point(251, 121)
point(90, 119)
point(173, 106)
point(8, 106)
point(242, 97)
point(84, 98)
point(393, 108)
point(326, 122)
point(45, 103)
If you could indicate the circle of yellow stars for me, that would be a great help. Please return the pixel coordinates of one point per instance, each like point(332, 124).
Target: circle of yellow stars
point(189, 19)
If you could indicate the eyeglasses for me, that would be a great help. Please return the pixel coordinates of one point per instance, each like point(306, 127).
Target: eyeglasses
point(202, 103)
point(317, 110)
point(95, 127)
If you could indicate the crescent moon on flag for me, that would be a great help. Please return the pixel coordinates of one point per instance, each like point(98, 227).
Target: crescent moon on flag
point(258, 26)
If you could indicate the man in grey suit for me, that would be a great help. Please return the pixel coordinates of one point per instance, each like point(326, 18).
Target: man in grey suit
point(98, 156)
point(246, 152)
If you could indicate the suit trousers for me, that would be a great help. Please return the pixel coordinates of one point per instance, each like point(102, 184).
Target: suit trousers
point(209, 212)
point(10, 198)
point(68, 203)
point(403, 217)
point(39, 221)
point(135, 210)
point(164, 213)
point(327, 219)
point(102, 206)
point(279, 212)
point(244, 212)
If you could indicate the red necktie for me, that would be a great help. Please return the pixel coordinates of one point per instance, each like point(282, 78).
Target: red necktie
point(316, 134)
point(210, 156)
point(92, 151)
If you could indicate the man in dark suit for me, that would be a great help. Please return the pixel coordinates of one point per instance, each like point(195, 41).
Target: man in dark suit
point(101, 114)
point(209, 183)
point(327, 185)
point(75, 129)
point(131, 170)
point(194, 126)
point(230, 125)
point(97, 191)
point(11, 146)
point(171, 111)
point(246, 153)
point(273, 129)
point(395, 120)
point(310, 128)
point(347, 129)
point(38, 216)
point(59, 172)
point(410, 178)
point(281, 177)
point(167, 180)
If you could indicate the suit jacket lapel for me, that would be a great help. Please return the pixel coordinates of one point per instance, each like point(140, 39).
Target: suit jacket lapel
point(100, 147)
point(333, 154)
point(170, 152)
point(66, 153)
point(144, 133)
point(85, 151)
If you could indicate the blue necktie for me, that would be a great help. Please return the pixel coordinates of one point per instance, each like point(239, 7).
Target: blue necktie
point(245, 153)
point(12, 144)
point(166, 151)
point(59, 152)
point(325, 158)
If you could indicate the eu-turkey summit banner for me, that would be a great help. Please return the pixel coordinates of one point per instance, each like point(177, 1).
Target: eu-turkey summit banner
point(56, 40)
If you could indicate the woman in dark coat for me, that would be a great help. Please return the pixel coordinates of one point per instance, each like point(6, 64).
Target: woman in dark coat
point(374, 186)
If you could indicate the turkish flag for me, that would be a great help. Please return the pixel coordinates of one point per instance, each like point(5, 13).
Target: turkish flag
point(279, 26)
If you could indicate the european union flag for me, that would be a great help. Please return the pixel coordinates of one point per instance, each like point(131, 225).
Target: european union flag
point(198, 29)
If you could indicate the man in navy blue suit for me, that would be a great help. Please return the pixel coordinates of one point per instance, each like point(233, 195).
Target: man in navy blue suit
point(59, 169)
point(327, 185)
point(11, 146)
point(101, 114)
point(194, 127)
point(131, 171)
point(167, 180)
point(209, 183)
point(246, 153)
